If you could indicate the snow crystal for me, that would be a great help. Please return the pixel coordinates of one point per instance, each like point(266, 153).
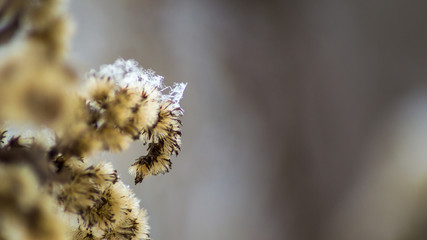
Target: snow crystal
point(128, 73)
point(29, 133)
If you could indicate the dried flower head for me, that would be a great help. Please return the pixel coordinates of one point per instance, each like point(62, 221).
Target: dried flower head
point(26, 211)
point(153, 115)
point(48, 188)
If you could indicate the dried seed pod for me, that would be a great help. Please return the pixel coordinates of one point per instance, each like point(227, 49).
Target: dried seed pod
point(86, 186)
point(165, 139)
point(132, 221)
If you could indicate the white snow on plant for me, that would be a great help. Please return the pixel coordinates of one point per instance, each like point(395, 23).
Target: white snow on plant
point(30, 133)
point(128, 73)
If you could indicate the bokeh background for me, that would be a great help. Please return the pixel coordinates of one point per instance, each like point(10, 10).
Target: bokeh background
point(303, 119)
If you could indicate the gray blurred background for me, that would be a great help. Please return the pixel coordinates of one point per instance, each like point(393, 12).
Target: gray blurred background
point(303, 119)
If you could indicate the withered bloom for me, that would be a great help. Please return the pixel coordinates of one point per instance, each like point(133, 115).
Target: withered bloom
point(48, 188)
point(153, 114)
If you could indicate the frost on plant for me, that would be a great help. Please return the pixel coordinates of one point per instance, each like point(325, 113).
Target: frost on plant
point(153, 114)
point(50, 126)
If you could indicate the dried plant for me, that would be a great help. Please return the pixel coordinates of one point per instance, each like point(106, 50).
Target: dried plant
point(48, 188)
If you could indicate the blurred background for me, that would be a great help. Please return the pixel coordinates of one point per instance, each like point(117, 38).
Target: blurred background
point(303, 119)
